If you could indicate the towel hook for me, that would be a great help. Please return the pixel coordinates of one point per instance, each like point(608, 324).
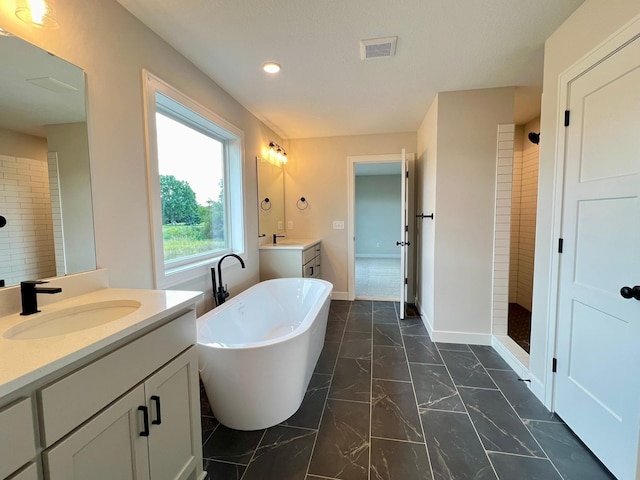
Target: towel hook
point(302, 204)
point(266, 204)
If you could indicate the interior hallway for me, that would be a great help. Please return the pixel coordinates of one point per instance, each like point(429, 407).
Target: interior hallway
point(378, 279)
point(385, 402)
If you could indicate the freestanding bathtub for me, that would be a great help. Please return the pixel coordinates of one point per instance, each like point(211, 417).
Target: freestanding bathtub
point(257, 351)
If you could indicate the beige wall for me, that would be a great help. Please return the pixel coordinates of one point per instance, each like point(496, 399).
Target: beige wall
point(465, 198)
point(589, 26)
point(69, 141)
point(112, 47)
point(16, 144)
point(426, 169)
point(317, 170)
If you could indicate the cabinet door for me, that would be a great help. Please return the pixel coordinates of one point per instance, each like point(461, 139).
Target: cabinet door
point(173, 399)
point(106, 448)
point(29, 473)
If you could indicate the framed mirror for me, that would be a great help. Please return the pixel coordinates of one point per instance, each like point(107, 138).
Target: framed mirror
point(45, 184)
point(270, 197)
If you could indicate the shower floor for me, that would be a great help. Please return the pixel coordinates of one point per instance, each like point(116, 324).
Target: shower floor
point(378, 279)
point(519, 325)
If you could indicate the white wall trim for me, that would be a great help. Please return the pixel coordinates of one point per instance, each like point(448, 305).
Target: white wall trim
point(339, 295)
point(461, 337)
point(512, 353)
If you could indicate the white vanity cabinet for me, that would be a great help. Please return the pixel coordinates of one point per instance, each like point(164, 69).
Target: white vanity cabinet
point(290, 259)
point(146, 434)
point(17, 439)
point(150, 429)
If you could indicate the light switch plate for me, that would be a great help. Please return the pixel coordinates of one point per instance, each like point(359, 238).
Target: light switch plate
point(290, 225)
point(338, 224)
point(280, 225)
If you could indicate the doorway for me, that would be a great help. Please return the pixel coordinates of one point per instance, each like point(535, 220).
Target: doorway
point(375, 213)
point(524, 200)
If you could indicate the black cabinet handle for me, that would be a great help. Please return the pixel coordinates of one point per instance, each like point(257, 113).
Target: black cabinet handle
point(631, 292)
point(145, 417)
point(158, 420)
point(311, 270)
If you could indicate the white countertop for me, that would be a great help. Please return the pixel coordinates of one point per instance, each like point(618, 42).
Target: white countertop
point(290, 244)
point(23, 362)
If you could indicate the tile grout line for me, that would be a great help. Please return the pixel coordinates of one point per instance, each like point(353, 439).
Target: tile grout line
point(519, 418)
point(254, 454)
point(415, 398)
point(467, 411)
point(326, 400)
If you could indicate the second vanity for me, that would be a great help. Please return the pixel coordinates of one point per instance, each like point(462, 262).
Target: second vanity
point(290, 258)
point(114, 398)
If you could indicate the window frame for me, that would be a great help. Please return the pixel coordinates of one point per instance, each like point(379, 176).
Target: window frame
point(176, 104)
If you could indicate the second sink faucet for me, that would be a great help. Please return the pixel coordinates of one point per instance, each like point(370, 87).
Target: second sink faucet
point(29, 292)
point(275, 236)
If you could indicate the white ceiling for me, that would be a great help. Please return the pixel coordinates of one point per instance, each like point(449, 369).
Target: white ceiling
point(324, 89)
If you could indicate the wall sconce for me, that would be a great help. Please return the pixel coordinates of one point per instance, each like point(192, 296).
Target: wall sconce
point(277, 152)
point(41, 13)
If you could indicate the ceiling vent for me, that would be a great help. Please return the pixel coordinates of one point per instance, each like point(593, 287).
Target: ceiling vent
point(378, 47)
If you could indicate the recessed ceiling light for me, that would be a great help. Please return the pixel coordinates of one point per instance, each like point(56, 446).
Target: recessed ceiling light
point(271, 67)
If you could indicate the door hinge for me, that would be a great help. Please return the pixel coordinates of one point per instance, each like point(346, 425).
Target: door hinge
point(406, 174)
point(554, 365)
point(560, 245)
point(406, 281)
point(406, 228)
point(567, 117)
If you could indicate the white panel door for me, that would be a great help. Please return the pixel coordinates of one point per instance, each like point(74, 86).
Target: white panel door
point(598, 350)
point(404, 235)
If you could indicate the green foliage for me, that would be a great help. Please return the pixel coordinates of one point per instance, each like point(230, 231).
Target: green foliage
point(178, 201)
point(189, 229)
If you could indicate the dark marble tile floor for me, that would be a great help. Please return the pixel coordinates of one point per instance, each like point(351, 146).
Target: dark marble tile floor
point(387, 403)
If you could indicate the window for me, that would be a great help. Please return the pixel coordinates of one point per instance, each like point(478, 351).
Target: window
point(195, 184)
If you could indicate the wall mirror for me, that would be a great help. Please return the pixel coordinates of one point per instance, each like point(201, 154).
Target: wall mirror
point(45, 185)
point(270, 197)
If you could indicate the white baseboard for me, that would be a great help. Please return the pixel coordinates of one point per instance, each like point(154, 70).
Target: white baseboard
point(377, 255)
point(339, 295)
point(513, 354)
point(537, 388)
point(452, 337)
point(461, 337)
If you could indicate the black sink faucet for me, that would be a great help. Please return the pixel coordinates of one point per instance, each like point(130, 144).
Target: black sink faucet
point(29, 292)
point(220, 293)
point(275, 237)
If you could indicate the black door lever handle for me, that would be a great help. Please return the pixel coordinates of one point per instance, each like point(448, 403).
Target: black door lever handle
point(630, 292)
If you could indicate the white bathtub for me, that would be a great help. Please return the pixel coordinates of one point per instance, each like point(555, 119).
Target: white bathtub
point(257, 351)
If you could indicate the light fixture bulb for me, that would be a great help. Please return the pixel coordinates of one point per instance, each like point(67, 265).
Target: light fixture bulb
point(271, 67)
point(41, 13)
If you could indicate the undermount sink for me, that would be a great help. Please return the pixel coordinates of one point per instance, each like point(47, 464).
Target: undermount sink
point(72, 319)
